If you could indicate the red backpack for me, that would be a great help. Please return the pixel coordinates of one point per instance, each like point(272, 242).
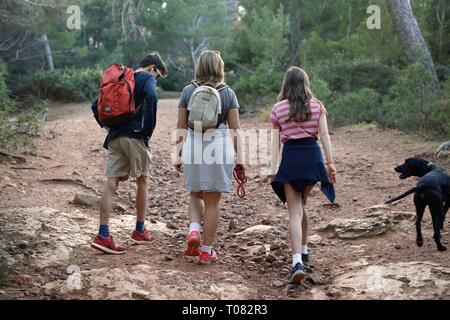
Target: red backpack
point(116, 96)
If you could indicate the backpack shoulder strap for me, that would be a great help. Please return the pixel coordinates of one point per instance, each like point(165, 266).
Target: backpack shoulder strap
point(222, 117)
point(221, 87)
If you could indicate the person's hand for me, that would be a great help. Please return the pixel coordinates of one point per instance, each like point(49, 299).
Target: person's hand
point(179, 167)
point(331, 168)
point(240, 167)
point(106, 128)
point(270, 178)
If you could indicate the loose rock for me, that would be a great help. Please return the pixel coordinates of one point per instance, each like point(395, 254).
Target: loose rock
point(278, 284)
point(93, 202)
point(256, 230)
point(374, 224)
point(403, 280)
point(171, 226)
point(315, 239)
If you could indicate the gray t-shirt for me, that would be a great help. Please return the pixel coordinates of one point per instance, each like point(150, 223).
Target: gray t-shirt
point(227, 96)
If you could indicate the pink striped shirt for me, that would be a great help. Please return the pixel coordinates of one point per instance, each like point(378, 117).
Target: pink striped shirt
point(292, 129)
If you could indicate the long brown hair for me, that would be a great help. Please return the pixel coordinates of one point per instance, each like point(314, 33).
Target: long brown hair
point(210, 68)
point(297, 90)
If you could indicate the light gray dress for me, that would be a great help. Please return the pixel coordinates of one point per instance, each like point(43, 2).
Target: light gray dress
point(208, 159)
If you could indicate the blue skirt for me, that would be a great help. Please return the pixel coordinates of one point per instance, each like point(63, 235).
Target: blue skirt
point(302, 165)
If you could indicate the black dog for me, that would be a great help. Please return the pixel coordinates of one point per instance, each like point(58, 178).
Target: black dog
point(432, 190)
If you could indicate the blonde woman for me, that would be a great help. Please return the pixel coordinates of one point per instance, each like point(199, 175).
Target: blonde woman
point(207, 180)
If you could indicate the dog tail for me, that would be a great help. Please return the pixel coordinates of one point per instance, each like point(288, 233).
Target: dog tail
point(407, 193)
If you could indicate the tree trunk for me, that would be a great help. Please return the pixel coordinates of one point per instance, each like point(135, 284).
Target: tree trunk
point(192, 53)
point(48, 52)
point(409, 33)
point(294, 32)
point(348, 33)
point(190, 46)
point(441, 14)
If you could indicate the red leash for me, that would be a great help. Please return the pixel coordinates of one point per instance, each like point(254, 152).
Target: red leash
point(241, 179)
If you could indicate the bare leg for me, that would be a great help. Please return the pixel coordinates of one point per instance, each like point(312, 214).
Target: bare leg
point(141, 198)
point(305, 221)
point(196, 207)
point(196, 214)
point(109, 190)
point(211, 217)
point(294, 201)
point(305, 225)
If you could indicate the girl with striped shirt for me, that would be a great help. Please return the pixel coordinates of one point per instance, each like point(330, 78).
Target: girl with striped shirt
point(300, 120)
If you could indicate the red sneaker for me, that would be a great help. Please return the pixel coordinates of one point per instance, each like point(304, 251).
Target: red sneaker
point(206, 258)
point(142, 238)
point(193, 244)
point(107, 246)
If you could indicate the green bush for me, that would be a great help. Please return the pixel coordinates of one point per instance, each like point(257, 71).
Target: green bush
point(439, 119)
point(17, 128)
point(74, 85)
point(355, 107)
point(5, 101)
point(416, 104)
point(260, 87)
point(314, 49)
point(6, 107)
point(443, 72)
point(321, 89)
point(257, 60)
point(345, 75)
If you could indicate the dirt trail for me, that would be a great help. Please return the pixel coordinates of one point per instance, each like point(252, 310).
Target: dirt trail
point(358, 250)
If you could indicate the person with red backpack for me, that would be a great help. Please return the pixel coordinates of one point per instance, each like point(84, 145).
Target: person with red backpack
point(127, 108)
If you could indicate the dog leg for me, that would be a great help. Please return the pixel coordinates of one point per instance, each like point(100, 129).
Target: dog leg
point(420, 209)
point(436, 214)
point(446, 207)
point(441, 217)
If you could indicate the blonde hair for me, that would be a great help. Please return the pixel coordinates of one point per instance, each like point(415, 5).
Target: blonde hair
point(210, 68)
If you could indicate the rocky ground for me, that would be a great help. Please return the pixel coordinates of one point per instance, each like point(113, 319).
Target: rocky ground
point(359, 248)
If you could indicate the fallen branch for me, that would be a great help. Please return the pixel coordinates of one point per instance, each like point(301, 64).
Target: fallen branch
point(57, 166)
point(24, 168)
point(77, 182)
point(17, 158)
point(64, 180)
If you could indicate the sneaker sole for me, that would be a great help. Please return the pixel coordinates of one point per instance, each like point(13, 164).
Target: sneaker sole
point(297, 277)
point(142, 242)
point(192, 249)
point(105, 250)
point(208, 262)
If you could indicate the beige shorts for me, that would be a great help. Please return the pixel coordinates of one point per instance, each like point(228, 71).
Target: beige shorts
point(128, 157)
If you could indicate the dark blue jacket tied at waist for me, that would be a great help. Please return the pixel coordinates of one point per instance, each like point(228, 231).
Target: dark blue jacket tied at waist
point(302, 165)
